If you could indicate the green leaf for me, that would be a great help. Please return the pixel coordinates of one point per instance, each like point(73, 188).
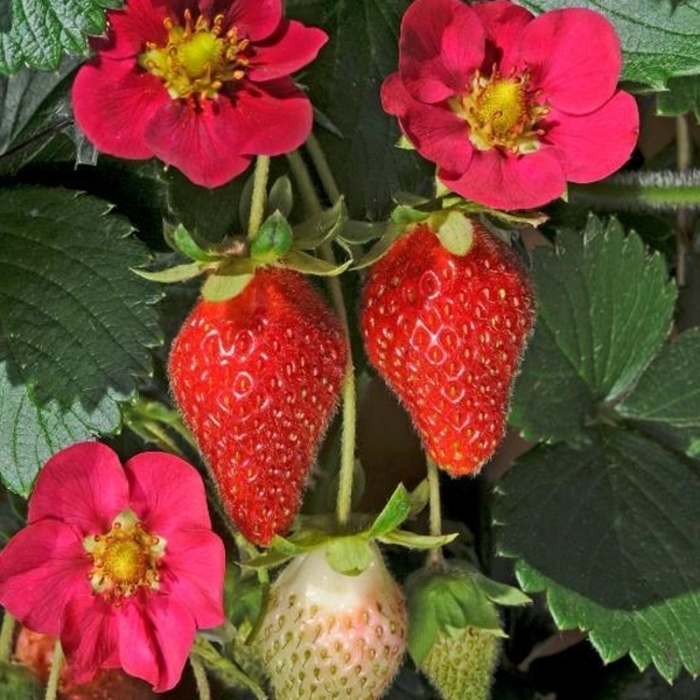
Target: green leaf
point(37, 33)
point(604, 308)
point(445, 601)
point(345, 85)
point(669, 390)
point(397, 509)
point(610, 533)
point(349, 555)
point(35, 114)
point(77, 324)
point(682, 96)
point(659, 37)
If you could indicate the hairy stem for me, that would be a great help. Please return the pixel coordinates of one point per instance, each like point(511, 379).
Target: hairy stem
point(435, 555)
point(684, 217)
point(313, 206)
point(7, 632)
point(55, 674)
point(257, 206)
point(200, 677)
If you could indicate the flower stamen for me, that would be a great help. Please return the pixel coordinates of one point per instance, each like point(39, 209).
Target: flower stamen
point(502, 112)
point(125, 559)
point(198, 58)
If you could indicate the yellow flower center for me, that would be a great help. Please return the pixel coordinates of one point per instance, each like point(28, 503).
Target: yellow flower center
point(502, 111)
point(198, 58)
point(125, 559)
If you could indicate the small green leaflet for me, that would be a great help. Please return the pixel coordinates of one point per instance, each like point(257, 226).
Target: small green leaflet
point(659, 37)
point(76, 324)
point(604, 309)
point(38, 33)
point(609, 532)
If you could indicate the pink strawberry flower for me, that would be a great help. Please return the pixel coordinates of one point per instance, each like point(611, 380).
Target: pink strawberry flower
point(201, 84)
point(118, 562)
point(510, 106)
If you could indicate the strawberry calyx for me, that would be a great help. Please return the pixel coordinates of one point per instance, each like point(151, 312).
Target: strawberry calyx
point(451, 596)
point(350, 552)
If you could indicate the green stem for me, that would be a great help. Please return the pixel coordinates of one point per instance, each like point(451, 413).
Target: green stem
point(435, 524)
point(347, 450)
point(55, 674)
point(684, 218)
point(318, 158)
point(200, 677)
point(7, 632)
point(647, 191)
point(257, 206)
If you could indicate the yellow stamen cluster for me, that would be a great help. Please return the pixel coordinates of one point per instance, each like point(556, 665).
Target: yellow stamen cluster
point(198, 58)
point(502, 111)
point(125, 559)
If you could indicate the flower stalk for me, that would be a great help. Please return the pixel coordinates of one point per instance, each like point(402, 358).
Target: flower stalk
point(55, 674)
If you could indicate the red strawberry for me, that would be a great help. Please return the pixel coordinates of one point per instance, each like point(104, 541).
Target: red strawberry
point(446, 332)
point(257, 378)
point(329, 635)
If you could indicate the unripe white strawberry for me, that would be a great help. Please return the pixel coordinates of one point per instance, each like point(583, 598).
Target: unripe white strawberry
point(330, 635)
point(461, 665)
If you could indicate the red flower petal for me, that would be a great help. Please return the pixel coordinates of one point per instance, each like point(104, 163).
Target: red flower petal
point(155, 640)
point(113, 101)
point(503, 22)
point(436, 132)
point(595, 145)
point(90, 636)
point(508, 182)
point(268, 119)
point(83, 485)
point(41, 568)
point(197, 143)
point(442, 42)
point(574, 77)
point(287, 51)
point(167, 493)
point(254, 19)
point(139, 22)
point(194, 574)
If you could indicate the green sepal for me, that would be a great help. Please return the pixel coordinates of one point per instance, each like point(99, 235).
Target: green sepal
point(321, 227)
point(170, 275)
point(404, 215)
point(442, 602)
point(456, 233)
point(300, 542)
point(229, 281)
point(360, 232)
point(181, 240)
point(349, 555)
point(392, 233)
point(412, 540)
point(280, 197)
point(273, 240)
point(395, 512)
point(404, 143)
point(420, 496)
point(268, 560)
point(309, 265)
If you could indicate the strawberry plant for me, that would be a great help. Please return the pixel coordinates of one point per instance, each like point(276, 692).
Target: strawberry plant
point(350, 349)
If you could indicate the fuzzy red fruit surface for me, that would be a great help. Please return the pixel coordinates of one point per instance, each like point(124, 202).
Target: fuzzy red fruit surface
point(447, 332)
point(257, 378)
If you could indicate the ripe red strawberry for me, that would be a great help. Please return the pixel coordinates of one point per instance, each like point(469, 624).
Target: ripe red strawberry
point(446, 332)
point(328, 635)
point(257, 378)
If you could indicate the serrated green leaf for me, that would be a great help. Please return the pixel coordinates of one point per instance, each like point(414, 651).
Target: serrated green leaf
point(612, 530)
point(345, 84)
point(669, 390)
point(34, 113)
point(77, 324)
point(37, 33)
point(604, 308)
point(349, 555)
point(659, 37)
point(393, 514)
